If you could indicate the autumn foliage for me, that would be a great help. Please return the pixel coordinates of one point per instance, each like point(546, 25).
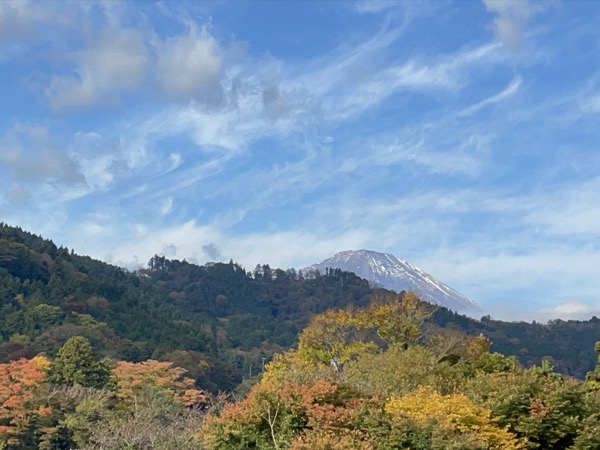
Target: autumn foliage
point(288, 415)
point(18, 383)
point(374, 378)
point(133, 377)
point(42, 405)
point(455, 414)
point(382, 377)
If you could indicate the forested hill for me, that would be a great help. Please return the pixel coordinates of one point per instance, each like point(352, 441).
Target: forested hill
point(218, 321)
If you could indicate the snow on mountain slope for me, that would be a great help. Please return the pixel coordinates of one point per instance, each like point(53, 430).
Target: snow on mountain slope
point(389, 272)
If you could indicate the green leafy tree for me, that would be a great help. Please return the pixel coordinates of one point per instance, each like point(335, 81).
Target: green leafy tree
point(399, 371)
point(76, 363)
point(592, 379)
point(536, 404)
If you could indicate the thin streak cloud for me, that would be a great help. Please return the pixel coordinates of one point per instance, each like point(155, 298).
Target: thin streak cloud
point(460, 136)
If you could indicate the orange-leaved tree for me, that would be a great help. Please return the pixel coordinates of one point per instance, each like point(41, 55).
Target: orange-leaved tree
point(18, 382)
point(133, 377)
point(286, 415)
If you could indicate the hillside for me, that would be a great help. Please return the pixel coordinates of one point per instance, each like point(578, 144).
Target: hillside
point(219, 321)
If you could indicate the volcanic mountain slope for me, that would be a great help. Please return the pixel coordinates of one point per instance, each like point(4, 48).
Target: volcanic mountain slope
point(389, 272)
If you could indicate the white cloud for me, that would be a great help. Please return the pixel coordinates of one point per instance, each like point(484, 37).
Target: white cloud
point(93, 230)
point(98, 158)
point(18, 193)
point(115, 62)
point(190, 67)
point(212, 251)
point(114, 59)
point(274, 102)
point(568, 210)
point(29, 155)
point(379, 143)
point(465, 157)
point(484, 266)
point(573, 309)
point(518, 310)
point(506, 93)
point(592, 104)
point(510, 284)
point(16, 18)
point(132, 246)
point(166, 207)
point(344, 97)
point(374, 6)
point(20, 20)
point(511, 21)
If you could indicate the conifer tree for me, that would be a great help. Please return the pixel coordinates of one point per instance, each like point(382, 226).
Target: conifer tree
point(76, 363)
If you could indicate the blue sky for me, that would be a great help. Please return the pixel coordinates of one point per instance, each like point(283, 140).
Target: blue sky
point(463, 137)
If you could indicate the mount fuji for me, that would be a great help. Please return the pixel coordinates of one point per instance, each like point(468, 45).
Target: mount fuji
point(387, 271)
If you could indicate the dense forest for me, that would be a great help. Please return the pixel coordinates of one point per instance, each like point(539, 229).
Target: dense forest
point(219, 321)
point(91, 355)
point(378, 377)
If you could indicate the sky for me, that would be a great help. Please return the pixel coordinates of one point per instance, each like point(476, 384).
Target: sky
point(463, 137)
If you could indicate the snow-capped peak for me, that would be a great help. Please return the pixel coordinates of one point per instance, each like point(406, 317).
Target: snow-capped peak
point(389, 272)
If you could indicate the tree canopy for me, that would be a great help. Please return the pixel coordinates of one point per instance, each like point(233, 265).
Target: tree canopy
point(222, 322)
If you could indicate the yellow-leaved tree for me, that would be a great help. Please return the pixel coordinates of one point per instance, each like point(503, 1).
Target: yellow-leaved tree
point(453, 414)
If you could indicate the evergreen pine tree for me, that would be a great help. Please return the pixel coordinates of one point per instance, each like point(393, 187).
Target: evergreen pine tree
point(76, 363)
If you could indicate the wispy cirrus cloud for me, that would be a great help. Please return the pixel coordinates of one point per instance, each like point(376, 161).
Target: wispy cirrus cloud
point(408, 128)
point(507, 92)
point(374, 7)
point(592, 104)
point(568, 210)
